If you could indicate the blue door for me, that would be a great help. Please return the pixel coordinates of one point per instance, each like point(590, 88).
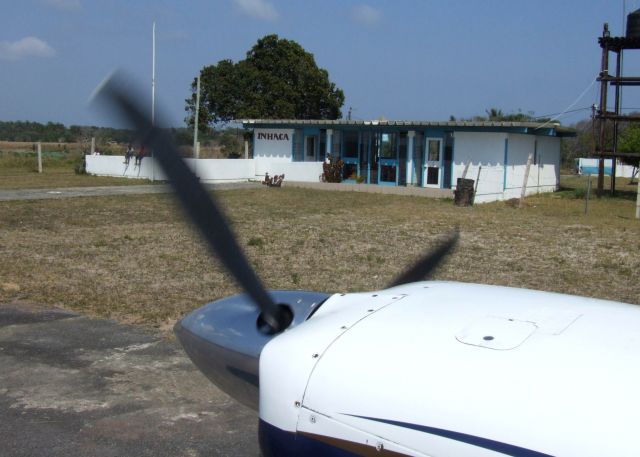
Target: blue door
point(350, 156)
point(388, 160)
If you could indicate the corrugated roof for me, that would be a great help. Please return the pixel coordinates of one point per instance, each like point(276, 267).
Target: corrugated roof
point(450, 124)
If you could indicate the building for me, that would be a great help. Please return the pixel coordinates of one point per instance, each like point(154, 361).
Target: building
point(586, 166)
point(415, 153)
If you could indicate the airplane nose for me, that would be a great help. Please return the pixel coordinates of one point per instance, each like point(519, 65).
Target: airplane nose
point(224, 339)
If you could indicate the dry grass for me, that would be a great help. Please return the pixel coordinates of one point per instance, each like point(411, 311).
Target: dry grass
point(19, 170)
point(134, 258)
point(19, 178)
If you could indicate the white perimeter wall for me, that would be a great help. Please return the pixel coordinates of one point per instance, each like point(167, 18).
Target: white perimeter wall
point(622, 170)
point(209, 170)
point(487, 150)
point(220, 170)
point(293, 171)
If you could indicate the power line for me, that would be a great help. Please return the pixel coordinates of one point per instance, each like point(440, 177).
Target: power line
point(584, 92)
point(563, 112)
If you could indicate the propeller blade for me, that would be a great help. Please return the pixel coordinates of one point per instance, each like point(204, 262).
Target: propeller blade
point(423, 268)
point(199, 204)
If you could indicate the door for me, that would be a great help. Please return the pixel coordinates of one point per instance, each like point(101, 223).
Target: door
point(388, 160)
point(433, 163)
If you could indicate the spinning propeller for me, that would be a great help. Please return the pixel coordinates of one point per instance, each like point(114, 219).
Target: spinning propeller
point(227, 348)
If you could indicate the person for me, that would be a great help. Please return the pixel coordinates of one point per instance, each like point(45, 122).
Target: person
point(128, 154)
point(140, 155)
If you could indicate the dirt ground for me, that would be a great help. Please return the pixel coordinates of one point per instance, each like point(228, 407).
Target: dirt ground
point(136, 259)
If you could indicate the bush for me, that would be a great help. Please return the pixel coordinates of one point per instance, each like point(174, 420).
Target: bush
point(80, 166)
point(332, 169)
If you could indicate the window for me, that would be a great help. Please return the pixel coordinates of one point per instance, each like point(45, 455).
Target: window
point(322, 152)
point(350, 144)
point(387, 146)
point(310, 149)
point(434, 151)
point(297, 146)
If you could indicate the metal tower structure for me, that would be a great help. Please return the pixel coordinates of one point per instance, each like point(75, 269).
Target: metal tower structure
point(613, 83)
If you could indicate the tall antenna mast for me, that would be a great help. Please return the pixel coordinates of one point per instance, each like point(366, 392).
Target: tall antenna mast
point(196, 119)
point(153, 93)
point(153, 76)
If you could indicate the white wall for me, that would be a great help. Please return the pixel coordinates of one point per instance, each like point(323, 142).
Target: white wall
point(544, 173)
point(209, 170)
point(115, 166)
point(549, 163)
point(484, 149)
point(487, 149)
point(213, 170)
point(296, 171)
point(590, 166)
point(220, 170)
point(271, 146)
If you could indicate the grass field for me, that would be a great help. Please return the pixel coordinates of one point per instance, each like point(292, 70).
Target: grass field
point(135, 259)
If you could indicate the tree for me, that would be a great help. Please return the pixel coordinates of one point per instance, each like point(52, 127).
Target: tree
point(278, 79)
point(629, 142)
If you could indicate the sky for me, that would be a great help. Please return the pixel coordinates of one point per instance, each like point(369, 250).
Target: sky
point(396, 59)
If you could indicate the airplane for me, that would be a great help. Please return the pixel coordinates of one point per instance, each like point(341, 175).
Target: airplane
point(421, 368)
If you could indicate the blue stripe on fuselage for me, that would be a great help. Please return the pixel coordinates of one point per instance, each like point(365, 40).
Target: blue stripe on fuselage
point(485, 443)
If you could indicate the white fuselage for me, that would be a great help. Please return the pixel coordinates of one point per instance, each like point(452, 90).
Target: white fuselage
point(437, 368)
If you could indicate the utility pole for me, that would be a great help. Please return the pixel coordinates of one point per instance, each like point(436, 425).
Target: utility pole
point(196, 120)
point(153, 93)
point(153, 75)
point(39, 157)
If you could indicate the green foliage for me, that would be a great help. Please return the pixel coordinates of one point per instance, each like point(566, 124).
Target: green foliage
point(332, 169)
point(278, 79)
point(52, 132)
point(497, 115)
point(231, 143)
point(256, 241)
point(80, 167)
point(579, 193)
point(583, 145)
point(629, 141)
point(588, 136)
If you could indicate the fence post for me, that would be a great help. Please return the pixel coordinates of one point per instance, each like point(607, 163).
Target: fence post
point(638, 199)
point(39, 157)
point(586, 201)
point(466, 168)
point(475, 190)
point(526, 179)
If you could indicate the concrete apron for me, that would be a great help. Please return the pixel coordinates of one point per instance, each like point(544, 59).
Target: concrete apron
point(70, 385)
